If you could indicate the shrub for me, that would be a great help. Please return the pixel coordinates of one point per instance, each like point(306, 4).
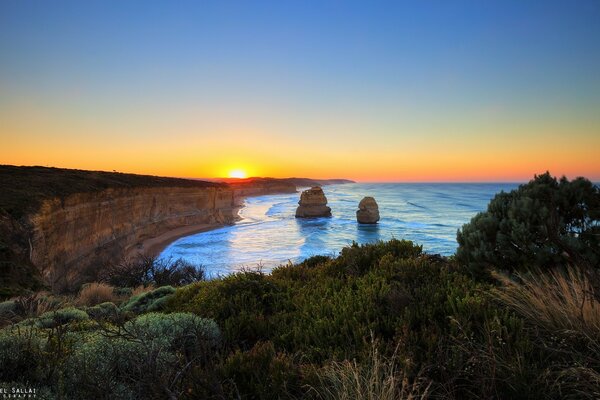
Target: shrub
point(153, 300)
point(8, 311)
point(103, 311)
point(242, 303)
point(96, 293)
point(21, 355)
point(262, 373)
point(543, 223)
point(146, 271)
point(148, 357)
point(63, 316)
point(359, 259)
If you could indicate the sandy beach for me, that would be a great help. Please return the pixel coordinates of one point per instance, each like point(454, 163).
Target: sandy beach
point(154, 246)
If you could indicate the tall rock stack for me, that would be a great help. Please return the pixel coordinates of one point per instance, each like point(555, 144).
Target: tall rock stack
point(368, 211)
point(313, 203)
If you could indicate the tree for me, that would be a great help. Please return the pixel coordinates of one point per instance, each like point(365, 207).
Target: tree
point(544, 223)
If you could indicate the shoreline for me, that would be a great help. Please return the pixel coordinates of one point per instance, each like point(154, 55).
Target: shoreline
point(155, 245)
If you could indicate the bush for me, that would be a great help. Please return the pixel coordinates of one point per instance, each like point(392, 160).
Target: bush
point(8, 311)
point(103, 311)
point(96, 293)
point(153, 300)
point(147, 271)
point(21, 355)
point(242, 304)
point(148, 357)
point(262, 373)
point(53, 319)
point(544, 223)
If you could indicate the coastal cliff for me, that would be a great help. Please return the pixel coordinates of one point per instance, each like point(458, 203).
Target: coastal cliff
point(71, 238)
point(68, 224)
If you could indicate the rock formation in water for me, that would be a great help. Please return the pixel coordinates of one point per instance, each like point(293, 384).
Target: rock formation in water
point(313, 203)
point(368, 211)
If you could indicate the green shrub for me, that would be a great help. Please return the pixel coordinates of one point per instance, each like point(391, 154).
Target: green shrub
point(242, 304)
point(262, 373)
point(21, 355)
point(148, 357)
point(8, 310)
point(52, 319)
point(543, 223)
point(154, 300)
point(103, 311)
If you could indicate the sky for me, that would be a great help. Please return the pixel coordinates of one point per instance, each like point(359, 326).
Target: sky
point(367, 90)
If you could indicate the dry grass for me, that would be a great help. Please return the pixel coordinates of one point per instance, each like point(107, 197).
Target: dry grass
point(96, 293)
point(557, 301)
point(378, 378)
point(565, 305)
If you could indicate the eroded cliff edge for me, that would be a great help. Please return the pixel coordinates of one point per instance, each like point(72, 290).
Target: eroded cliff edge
point(68, 224)
point(71, 238)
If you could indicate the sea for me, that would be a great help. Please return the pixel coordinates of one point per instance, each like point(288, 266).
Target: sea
point(268, 234)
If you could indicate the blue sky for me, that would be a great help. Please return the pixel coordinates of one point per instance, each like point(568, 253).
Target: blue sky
point(286, 72)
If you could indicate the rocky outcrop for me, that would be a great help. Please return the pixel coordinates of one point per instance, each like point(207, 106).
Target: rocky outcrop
point(313, 203)
point(368, 211)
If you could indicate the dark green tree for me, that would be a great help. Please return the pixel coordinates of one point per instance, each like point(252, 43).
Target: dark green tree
point(544, 223)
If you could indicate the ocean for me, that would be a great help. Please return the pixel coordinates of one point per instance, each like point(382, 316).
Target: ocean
point(269, 235)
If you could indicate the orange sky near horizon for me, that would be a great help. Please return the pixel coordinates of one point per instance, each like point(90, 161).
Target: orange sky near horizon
point(486, 147)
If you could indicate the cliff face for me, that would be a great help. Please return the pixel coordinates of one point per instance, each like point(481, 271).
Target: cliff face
point(71, 238)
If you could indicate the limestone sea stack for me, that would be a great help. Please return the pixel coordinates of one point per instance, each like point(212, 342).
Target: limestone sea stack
point(313, 203)
point(368, 211)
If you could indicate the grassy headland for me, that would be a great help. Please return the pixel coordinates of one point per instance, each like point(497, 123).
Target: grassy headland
point(22, 189)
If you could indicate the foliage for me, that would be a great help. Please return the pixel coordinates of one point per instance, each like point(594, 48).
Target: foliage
point(544, 223)
point(380, 320)
point(148, 357)
point(63, 316)
point(241, 302)
point(103, 311)
point(153, 300)
point(151, 271)
point(261, 373)
point(424, 308)
point(20, 355)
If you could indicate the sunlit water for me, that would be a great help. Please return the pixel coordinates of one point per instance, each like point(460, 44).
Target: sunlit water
point(269, 235)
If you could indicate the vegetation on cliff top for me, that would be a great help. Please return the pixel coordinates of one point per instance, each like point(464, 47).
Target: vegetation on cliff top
point(22, 189)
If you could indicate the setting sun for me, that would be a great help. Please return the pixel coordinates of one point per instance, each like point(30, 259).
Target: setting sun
point(237, 173)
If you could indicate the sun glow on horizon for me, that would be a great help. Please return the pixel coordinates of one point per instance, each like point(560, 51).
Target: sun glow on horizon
point(237, 173)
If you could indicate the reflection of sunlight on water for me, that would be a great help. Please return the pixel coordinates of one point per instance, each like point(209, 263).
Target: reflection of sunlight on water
point(269, 234)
